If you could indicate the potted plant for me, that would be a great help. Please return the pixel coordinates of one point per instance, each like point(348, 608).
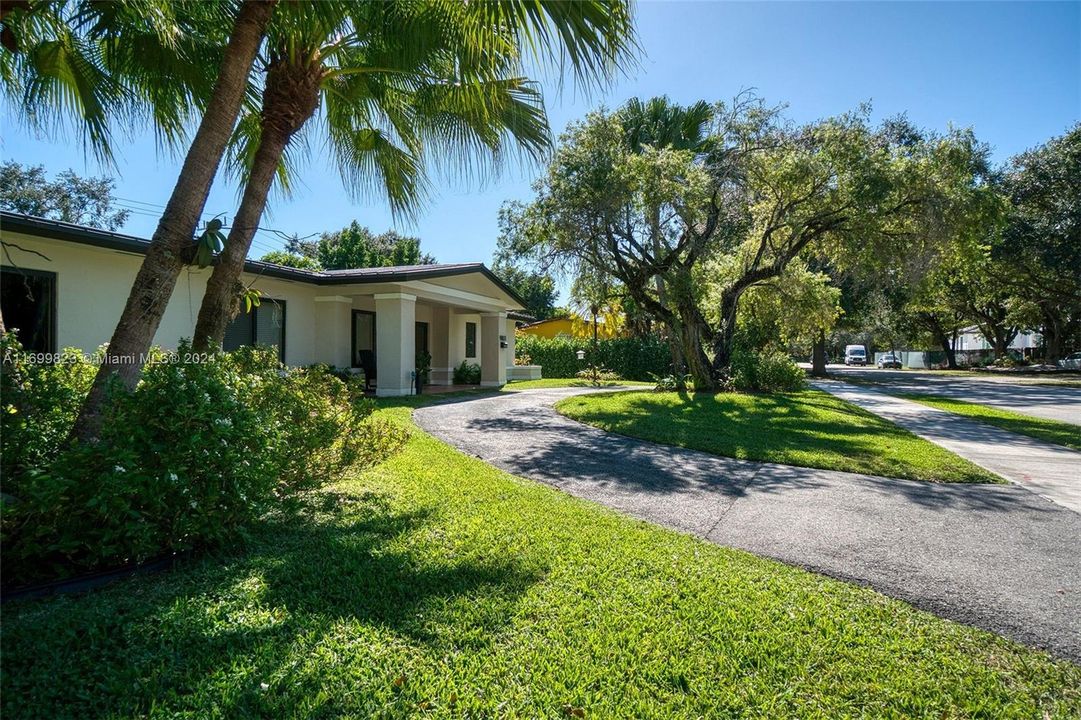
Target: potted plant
point(423, 371)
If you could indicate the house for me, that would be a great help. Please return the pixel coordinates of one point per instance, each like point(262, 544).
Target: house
point(971, 339)
point(65, 285)
point(568, 327)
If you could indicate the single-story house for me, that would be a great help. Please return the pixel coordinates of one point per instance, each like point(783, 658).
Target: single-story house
point(971, 338)
point(65, 285)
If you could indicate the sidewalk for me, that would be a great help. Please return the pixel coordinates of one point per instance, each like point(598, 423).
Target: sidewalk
point(1048, 470)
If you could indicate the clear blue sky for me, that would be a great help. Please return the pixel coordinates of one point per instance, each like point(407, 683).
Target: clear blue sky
point(1011, 71)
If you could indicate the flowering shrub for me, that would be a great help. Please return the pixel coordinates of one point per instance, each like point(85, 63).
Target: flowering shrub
point(202, 447)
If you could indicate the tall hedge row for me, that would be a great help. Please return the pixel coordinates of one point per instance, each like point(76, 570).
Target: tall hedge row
point(631, 358)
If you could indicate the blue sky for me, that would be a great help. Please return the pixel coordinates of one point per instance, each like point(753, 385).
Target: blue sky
point(1011, 71)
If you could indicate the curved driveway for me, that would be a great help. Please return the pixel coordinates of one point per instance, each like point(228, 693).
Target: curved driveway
point(994, 556)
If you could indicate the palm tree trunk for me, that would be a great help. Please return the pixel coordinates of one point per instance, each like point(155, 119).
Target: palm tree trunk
point(221, 300)
point(172, 241)
point(290, 98)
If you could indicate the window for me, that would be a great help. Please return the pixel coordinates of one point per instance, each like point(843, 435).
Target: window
point(28, 302)
point(420, 338)
point(363, 339)
point(470, 340)
point(264, 325)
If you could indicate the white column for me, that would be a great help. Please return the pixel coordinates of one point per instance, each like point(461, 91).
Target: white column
point(333, 330)
point(493, 364)
point(439, 342)
point(509, 352)
point(395, 354)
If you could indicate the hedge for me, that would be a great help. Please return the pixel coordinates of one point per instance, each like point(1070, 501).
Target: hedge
point(631, 358)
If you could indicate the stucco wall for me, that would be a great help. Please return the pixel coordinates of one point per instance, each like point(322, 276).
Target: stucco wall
point(92, 285)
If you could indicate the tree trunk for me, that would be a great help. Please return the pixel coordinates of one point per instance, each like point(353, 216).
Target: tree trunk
point(693, 345)
point(675, 335)
point(947, 347)
point(1052, 332)
point(172, 241)
point(818, 355)
point(725, 337)
point(290, 98)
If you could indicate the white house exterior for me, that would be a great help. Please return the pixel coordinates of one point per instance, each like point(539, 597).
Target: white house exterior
point(68, 285)
point(971, 338)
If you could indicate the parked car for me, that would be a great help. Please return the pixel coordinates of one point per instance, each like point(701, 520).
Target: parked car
point(1071, 362)
point(855, 355)
point(889, 360)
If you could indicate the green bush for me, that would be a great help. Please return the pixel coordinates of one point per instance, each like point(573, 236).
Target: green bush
point(766, 371)
point(467, 374)
point(39, 403)
point(630, 358)
point(201, 448)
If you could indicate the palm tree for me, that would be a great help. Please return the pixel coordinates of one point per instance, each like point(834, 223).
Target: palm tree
point(398, 86)
point(96, 64)
point(661, 124)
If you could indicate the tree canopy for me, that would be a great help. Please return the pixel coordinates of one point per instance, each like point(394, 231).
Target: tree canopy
point(733, 212)
point(68, 198)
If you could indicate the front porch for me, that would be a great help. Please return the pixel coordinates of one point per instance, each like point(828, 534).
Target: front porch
point(382, 330)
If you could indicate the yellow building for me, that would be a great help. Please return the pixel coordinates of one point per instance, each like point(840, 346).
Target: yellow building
point(570, 327)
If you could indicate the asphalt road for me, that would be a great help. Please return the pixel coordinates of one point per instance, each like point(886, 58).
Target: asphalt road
point(992, 556)
point(1024, 395)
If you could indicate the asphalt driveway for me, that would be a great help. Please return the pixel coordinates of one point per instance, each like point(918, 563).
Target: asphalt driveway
point(1024, 395)
point(993, 556)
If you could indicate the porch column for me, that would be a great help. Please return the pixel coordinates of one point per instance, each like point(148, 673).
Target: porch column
point(493, 364)
point(512, 326)
point(333, 321)
point(439, 343)
point(395, 353)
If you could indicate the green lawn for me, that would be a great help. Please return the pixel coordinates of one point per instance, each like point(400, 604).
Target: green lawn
point(809, 428)
point(1052, 431)
point(568, 382)
point(438, 586)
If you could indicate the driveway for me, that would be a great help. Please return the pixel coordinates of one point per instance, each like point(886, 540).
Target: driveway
point(993, 556)
point(1024, 395)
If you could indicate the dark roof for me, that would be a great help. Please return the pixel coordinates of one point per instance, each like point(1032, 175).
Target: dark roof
point(54, 229)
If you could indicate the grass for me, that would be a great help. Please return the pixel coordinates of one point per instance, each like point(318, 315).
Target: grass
point(808, 428)
point(1052, 431)
point(438, 586)
point(568, 382)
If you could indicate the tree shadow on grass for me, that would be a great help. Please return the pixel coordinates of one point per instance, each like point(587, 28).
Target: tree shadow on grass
point(351, 576)
point(538, 442)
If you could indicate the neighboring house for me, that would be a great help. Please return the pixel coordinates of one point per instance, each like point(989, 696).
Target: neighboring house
point(568, 327)
point(65, 285)
point(970, 338)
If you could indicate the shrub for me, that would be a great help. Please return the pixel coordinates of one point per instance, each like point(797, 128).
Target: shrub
point(467, 374)
point(200, 449)
point(599, 375)
point(39, 403)
point(670, 383)
point(634, 358)
point(766, 371)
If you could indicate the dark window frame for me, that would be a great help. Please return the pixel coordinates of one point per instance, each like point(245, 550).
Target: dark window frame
point(255, 328)
point(54, 303)
point(353, 335)
point(471, 340)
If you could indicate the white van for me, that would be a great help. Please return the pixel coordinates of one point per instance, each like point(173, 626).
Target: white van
point(855, 355)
